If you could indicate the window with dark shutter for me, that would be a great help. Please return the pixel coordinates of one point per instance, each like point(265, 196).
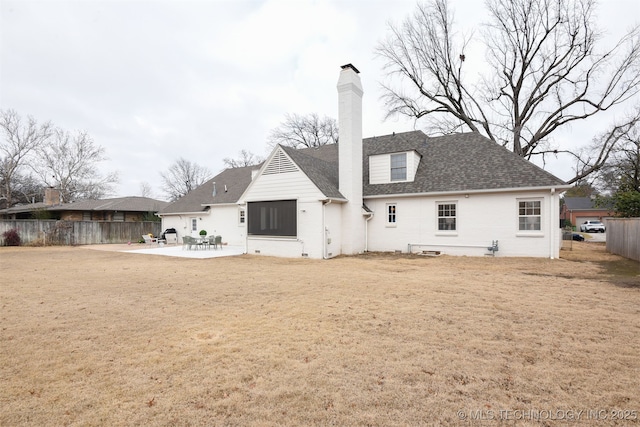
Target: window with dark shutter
point(274, 218)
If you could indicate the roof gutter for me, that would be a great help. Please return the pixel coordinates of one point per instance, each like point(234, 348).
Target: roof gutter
point(183, 213)
point(209, 205)
point(333, 200)
point(461, 192)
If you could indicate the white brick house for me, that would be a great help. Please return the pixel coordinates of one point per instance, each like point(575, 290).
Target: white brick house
point(455, 194)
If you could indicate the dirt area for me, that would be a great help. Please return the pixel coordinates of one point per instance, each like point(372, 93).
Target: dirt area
point(99, 337)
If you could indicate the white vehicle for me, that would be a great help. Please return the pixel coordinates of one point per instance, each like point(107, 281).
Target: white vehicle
point(592, 227)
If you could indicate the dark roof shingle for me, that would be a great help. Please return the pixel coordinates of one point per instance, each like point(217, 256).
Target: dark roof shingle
point(122, 204)
point(456, 162)
point(450, 163)
point(234, 180)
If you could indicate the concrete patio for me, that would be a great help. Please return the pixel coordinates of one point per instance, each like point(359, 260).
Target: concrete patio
point(172, 250)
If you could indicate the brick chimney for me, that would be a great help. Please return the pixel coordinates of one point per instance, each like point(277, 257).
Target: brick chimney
point(350, 158)
point(51, 196)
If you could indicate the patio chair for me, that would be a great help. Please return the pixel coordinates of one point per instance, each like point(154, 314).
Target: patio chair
point(204, 242)
point(196, 242)
point(149, 240)
point(186, 242)
point(171, 238)
point(218, 242)
point(212, 242)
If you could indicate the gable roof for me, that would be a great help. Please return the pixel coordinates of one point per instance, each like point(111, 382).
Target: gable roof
point(450, 163)
point(235, 180)
point(121, 204)
point(320, 164)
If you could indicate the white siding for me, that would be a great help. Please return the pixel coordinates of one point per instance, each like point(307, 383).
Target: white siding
point(220, 220)
point(333, 234)
point(481, 218)
point(413, 160)
point(282, 186)
point(294, 185)
point(380, 167)
point(308, 243)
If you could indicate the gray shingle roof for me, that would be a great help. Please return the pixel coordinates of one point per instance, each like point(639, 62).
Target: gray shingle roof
point(121, 204)
point(456, 162)
point(450, 163)
point(581, 203)
point(320, 165)
point(236, 181)
point(30, 207)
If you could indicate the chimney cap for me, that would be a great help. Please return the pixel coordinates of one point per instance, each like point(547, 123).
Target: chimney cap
point(350, 66)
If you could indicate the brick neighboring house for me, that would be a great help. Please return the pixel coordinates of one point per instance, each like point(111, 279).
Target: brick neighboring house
point(580, 209)
point(125, 209)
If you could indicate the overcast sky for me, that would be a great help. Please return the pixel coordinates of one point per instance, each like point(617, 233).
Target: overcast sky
point(152, 81)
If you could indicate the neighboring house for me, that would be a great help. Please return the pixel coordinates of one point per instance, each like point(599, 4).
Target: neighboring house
point(456, 194)
point(581, 209)
point(31, 210)
point(126, 209)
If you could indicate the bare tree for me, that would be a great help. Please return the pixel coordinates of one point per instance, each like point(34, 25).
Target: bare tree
point(605, 148)
point(182, 177)
point(145, 189)
point(20, 140)
point(69, 163)
point(622, 171)
point(304, 131)
point(245, 158)
point(546, 71)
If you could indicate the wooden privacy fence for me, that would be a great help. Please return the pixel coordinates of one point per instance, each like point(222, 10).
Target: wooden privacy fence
point(623, 237)
point(53, 232)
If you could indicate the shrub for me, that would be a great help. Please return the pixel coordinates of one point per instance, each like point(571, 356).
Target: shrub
point(203, 232)
point(11, 237)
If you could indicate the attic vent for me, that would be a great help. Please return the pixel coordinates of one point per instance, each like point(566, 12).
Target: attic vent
point(280, 163)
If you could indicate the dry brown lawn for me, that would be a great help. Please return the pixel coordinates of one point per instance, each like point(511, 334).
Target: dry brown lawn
point(109, 338)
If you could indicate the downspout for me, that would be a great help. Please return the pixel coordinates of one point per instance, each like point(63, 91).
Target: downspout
point(366, 231)
point(324, 229)
point(246, 227)
point(552, 231)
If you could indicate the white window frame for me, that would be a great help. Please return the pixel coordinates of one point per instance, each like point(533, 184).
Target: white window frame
point(456, 224)
point(391, 214)
point(527, 209)
point(242, 217)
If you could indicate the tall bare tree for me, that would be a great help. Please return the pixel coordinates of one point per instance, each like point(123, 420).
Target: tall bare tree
point(182, 177)
point(20, 138)
point(69, 163)
point(304, 131)
point(546, 71)
point(245, 158)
